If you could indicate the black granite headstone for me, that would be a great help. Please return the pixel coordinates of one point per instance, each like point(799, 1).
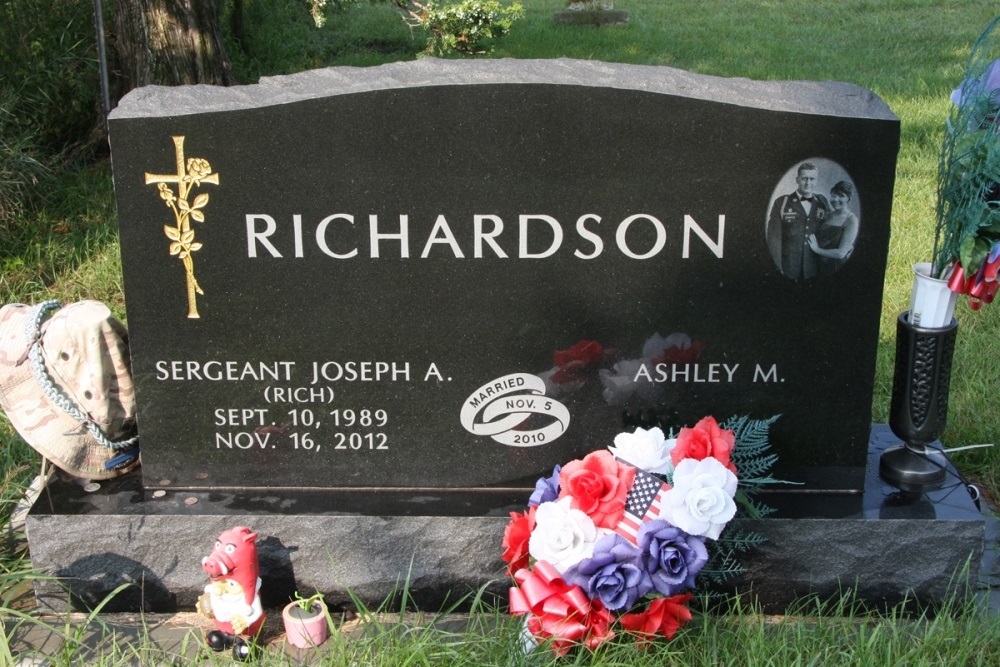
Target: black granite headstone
point(457, 274)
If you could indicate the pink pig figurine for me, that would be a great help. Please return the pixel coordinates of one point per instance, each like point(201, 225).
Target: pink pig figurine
point(232, 597)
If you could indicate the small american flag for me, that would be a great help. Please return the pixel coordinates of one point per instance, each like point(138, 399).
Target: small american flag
point(642, 503)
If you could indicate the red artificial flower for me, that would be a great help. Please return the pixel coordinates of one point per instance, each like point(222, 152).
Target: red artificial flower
point(515, 540)
point(558, 611)
point(598, 485)
point(705, 440)
point(663, 617)
point(587, 354)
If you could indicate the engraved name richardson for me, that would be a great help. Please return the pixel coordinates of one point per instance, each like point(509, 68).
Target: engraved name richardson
point(537, 236)
point(344, 236)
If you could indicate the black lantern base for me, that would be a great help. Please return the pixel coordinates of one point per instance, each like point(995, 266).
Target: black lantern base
point(919, 409)
point(913, 467)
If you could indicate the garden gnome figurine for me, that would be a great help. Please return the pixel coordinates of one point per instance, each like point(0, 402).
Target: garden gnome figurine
point(232, 597)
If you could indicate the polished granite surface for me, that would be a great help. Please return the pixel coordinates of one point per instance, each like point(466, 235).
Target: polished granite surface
point(126, 496)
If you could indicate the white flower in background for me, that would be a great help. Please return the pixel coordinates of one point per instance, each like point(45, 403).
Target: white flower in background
point(648, 450)
point(701, 500)
point(562, 536)
point(656, 344)
point(626, 379)
point(618, 384)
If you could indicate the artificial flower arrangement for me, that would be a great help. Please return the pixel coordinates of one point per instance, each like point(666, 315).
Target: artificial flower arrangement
point(624, 533)
point(967, 233)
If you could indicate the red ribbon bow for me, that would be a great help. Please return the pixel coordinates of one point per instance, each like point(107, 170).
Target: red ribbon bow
point(558, 610)
point(981, 288)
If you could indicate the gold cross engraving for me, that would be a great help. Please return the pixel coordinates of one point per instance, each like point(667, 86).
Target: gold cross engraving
point(191, 173)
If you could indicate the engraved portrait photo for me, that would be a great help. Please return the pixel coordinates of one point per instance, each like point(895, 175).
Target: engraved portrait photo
point(813, 219)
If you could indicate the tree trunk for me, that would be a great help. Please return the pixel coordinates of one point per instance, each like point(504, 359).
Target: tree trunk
point(170, 42)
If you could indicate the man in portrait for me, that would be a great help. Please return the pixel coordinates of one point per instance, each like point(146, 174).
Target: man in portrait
point(794, 218)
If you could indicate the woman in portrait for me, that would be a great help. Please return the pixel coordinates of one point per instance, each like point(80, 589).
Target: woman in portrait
point(834, 240)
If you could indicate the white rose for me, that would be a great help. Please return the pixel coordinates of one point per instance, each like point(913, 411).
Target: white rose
point(701, 501)
point(648, 450)
point(563, 536)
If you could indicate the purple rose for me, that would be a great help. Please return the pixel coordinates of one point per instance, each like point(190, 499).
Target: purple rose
point(672, 558)
point(546, 489)
point(988, 83)
point(614, 574)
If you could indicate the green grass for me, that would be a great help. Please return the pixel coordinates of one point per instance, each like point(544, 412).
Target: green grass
point(68, 249)
point(910, 52)
point(838, 633)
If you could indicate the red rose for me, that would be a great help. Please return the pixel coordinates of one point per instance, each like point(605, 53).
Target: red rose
point(598, 485)
point(515, 540)
point(587, 354)
point(705, 440)
point(663, 617)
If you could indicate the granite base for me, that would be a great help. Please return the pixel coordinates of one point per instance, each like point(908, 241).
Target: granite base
point(441, 546)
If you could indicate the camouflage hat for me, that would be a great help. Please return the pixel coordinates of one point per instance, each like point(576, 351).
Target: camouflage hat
point(66, 386)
